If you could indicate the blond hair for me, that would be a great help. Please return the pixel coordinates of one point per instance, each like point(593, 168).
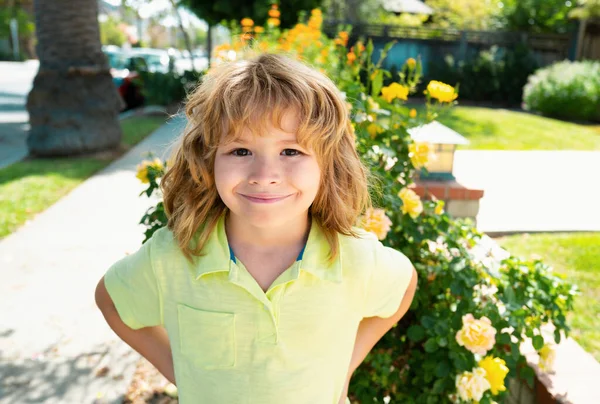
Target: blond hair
point(251, 94)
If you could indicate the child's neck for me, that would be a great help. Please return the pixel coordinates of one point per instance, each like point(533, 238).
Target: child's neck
point(289, 235)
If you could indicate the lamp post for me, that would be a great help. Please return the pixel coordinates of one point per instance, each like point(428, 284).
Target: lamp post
point(438, 182)
point(444, 142)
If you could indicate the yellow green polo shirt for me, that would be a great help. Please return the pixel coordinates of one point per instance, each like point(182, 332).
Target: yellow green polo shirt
point(233, 343)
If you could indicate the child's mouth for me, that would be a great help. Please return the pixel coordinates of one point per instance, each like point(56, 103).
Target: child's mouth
point(265, 199)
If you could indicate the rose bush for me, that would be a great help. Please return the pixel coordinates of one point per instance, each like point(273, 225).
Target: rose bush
point(461, 338)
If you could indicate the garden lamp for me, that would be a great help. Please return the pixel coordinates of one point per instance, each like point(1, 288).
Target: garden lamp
point(444, 142)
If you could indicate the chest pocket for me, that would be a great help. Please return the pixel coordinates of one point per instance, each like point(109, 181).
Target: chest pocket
point(207, 338)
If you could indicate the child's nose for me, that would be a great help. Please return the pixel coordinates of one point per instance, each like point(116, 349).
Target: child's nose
point(265, 171)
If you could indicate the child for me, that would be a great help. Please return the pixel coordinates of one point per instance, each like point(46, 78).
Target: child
point(260, 290)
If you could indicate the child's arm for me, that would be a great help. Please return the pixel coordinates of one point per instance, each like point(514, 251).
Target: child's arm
point(150, 342)
point(371, 329)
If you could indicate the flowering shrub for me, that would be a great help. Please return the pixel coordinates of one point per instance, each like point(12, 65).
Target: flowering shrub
point(460, 340)
point(567, 90)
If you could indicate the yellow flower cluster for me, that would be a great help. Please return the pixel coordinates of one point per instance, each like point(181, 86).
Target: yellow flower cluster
point(145, 166)
point(316, 19)
point(302, 36)
point(489, 375)
point(420, 153)
point(441, 91)
point(478, 336)
point(342, 38)
point(273, 20)
point(376, 222)
point(411, 203)
point(394, 91)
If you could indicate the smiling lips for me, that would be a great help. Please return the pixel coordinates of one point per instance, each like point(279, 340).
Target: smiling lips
point(264, 198)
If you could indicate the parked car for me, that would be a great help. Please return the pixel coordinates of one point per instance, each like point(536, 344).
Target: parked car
point(157, 60)
point(125, 71)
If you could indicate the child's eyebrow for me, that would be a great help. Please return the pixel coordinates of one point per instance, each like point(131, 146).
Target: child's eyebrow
point(282, 141)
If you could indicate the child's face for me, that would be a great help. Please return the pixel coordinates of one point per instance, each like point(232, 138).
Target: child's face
point(267, 180)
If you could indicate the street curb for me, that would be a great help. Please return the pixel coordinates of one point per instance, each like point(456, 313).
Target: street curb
point(145, 110)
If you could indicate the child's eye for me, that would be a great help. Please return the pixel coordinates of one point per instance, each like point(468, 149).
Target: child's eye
point(291, 152)
point(240, 152)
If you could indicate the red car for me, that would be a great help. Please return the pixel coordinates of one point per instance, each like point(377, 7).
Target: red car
point(124, 71)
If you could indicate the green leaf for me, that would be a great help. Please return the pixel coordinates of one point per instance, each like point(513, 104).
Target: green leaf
point(510, 295)
point(415, 333)
point(438, 386)
point(431, 345)
point(377, 83)
point(538, 342)
point(428, 322)
point(529, 375)
point(504, 338)
point(442, 369)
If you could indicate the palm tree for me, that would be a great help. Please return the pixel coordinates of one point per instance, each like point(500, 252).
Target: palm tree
point(73, 106)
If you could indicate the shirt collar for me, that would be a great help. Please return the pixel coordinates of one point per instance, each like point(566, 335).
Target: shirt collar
point(217, 256)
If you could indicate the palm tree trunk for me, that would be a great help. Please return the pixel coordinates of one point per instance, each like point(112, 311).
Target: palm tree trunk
point(73, 106)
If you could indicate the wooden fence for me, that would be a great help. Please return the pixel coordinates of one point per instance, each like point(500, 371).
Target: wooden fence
point(432, 45)
point(588, 44)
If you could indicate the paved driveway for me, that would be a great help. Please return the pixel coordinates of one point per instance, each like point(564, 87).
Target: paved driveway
point(533, 190)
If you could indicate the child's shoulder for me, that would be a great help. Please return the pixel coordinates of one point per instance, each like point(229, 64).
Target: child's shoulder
point(363, 246)
point(163, 242)
point(365, 253)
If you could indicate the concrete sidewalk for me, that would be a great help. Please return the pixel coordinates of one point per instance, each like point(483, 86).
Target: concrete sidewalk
point(53, 340)
point(533, 191)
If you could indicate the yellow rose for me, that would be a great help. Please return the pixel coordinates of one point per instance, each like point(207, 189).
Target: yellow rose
point(393, 91)
point(478, 336)
point(441, 91)
point(411, 203)
point(470, 386)
point(495, 372)
point(144, 166)
point(420, 154)
point(439, 208)
point(375, 221)
point(374, 130)
point(547, 357)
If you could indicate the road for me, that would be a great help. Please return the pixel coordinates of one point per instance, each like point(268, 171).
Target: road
point(16, 80)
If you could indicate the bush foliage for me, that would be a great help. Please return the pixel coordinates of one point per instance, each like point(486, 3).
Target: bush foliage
point(492, 75)
point(471, 312)
point(565, 90)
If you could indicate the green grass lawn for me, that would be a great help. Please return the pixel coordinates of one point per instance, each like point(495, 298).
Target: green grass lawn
point(31, 186)
point(577, 255)
point(501, 129)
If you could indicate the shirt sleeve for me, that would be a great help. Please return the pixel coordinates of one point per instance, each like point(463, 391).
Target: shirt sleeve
point(388, 282)
point(133, 288)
